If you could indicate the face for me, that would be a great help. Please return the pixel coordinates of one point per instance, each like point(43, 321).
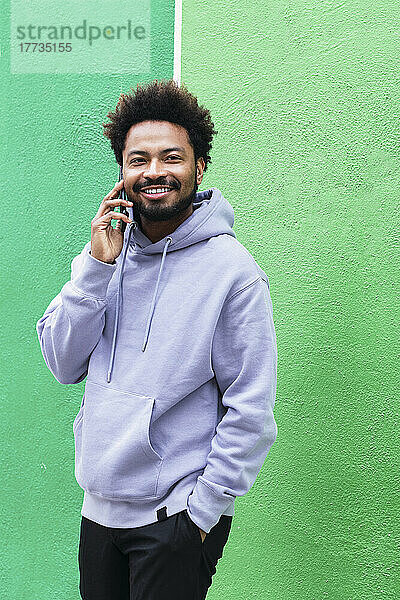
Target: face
point(159, 169)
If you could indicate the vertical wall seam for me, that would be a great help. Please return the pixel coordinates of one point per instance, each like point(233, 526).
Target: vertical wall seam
point(178, 41)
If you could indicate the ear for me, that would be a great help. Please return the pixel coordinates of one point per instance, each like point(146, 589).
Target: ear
point(199, 170)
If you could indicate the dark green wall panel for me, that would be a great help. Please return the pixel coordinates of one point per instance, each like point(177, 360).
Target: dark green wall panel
point(56, 167)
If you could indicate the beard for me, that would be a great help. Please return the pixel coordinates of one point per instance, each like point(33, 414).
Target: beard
point(156, 211)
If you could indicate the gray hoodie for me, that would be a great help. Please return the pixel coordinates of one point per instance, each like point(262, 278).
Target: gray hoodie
point(178, 345)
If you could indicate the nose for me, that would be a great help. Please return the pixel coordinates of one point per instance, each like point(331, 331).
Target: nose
point(154, 168)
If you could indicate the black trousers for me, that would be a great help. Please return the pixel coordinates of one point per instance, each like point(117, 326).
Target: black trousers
point(165, 560)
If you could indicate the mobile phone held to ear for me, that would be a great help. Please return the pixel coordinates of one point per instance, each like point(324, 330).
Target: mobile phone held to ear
point(122, 207)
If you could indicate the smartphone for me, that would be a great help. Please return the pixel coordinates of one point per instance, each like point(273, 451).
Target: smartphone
point(122, 207)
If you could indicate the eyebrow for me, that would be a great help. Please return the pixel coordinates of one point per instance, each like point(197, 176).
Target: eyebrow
point(144, 153)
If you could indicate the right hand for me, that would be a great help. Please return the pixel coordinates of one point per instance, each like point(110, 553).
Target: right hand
point(107, 242)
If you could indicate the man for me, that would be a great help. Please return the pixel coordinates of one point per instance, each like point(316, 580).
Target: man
point(171, 322)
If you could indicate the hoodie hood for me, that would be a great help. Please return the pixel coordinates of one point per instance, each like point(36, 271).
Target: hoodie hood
point(212, 215)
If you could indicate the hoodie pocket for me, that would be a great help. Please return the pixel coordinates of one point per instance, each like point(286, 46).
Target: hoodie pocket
point(113, 454)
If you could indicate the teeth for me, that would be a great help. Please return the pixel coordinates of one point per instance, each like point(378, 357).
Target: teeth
point(157, 191)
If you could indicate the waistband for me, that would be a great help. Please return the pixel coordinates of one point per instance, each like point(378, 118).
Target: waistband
point(123, 514)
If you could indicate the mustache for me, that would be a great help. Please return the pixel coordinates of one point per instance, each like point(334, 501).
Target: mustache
point(161, 182)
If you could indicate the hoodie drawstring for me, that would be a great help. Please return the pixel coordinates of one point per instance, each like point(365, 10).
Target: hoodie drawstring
point(110, 364)
point(146, 335)
point(119, 295)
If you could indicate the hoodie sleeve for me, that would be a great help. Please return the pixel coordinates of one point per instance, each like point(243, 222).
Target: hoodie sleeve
point(244, 357)
point(73, 322)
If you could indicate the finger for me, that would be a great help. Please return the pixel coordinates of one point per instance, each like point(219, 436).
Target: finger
point(108, 202)
point(114, 193)
point(112, 214)
point(117, 202)
point(118, 185)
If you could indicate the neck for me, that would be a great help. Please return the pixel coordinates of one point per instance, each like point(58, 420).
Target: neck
point(157, 230)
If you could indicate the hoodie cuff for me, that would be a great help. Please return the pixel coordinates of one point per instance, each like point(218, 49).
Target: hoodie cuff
point(94, 276)
point(205, 507)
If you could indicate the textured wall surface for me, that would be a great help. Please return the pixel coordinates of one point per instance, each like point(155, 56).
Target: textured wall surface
point(56, 168)
point(305, 97)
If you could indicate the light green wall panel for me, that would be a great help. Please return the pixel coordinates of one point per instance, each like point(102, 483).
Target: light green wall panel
point(305, 95)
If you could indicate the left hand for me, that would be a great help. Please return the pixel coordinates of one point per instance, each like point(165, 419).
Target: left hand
point(202, 533)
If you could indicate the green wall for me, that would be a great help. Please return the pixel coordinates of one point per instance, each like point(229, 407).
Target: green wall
point(56, 167)
point(305, 97)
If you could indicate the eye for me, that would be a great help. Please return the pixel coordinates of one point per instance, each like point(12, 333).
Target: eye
point(136, 160)
point(173, 157)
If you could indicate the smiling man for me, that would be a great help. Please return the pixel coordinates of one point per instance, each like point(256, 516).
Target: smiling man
point(171, 322)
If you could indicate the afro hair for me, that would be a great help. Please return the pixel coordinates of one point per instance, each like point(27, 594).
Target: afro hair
point(161, 101)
